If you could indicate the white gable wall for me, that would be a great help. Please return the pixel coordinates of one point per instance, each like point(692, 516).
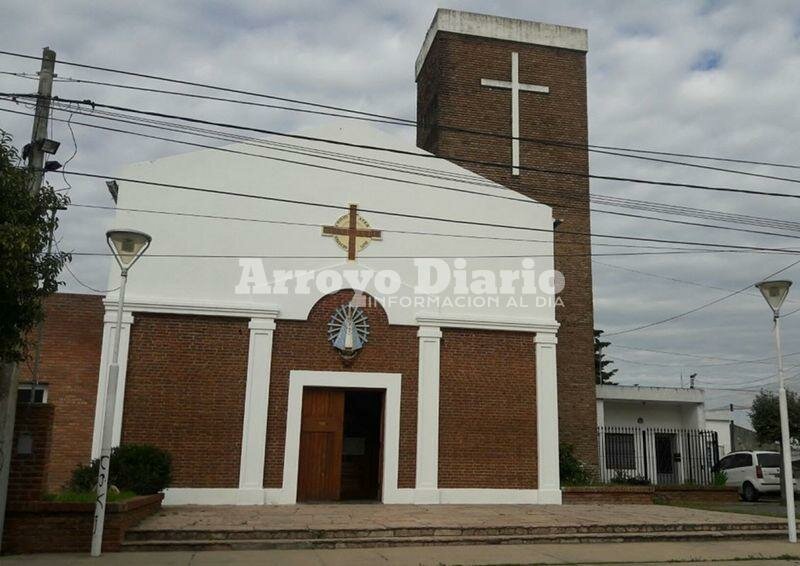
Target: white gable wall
point(206, 281)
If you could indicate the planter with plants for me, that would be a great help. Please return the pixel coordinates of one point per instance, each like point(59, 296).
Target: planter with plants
point(62, 521)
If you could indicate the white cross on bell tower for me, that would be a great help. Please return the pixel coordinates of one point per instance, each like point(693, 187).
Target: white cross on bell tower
point(515, 87)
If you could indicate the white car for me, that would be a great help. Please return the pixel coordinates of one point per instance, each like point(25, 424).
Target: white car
point(754, 473)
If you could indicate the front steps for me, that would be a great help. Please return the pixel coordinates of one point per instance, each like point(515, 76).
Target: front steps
point(284, 539)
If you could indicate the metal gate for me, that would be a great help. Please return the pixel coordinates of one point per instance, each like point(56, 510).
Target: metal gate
point(656, 455)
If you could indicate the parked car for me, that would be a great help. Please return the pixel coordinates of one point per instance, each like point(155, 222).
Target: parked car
point(754, 473)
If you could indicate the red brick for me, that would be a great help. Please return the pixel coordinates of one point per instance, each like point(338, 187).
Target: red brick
point(449, 94)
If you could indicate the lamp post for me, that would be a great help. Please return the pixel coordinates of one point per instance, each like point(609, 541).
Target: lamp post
point(127, 246)
point(775, 293)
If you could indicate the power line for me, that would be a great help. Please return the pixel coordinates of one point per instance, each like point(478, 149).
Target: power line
point(471, 181)
point(411, 232)
point(391, 119)
point(698, 308)
point(203, 85)
point(307, 151)
point(679, 354)
point(425, 217)
point(411, 153)
point(196, 96)
point(399, 122)
point(664, 277)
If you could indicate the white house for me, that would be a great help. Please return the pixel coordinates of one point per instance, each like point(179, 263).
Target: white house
point(656, 433)
point(721, 421)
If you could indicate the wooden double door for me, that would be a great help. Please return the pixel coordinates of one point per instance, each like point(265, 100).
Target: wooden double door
point(340, 445)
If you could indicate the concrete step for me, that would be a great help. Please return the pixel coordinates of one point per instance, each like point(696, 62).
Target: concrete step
point(188, 535)
point(394, 541)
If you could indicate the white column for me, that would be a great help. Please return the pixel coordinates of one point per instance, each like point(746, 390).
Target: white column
point(109, 327)
point(547, 417)
point(256, 400)
point(428, 415)
point(601, 413)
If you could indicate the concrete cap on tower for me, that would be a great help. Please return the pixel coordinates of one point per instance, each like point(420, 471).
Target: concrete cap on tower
point(496, 27)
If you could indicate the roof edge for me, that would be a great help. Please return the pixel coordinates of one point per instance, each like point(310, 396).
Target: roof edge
point(498, 27)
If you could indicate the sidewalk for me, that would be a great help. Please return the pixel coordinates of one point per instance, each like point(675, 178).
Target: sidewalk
point(743, 552)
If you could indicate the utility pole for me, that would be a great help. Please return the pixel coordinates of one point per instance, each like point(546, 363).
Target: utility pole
point(10, 371)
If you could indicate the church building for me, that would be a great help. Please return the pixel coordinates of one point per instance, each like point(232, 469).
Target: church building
point(373, 319)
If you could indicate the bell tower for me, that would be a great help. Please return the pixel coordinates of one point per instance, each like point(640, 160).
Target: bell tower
point(513, 93)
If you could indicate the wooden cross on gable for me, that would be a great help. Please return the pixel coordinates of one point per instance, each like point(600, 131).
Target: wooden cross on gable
point(515, 86)
point(352, 232)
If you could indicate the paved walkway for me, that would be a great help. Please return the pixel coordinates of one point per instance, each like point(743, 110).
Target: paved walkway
point(737, 553)
point(366, 516)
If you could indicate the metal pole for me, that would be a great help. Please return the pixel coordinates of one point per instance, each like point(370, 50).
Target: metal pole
point(108, 427)
point(788, 480)
point(9, 374)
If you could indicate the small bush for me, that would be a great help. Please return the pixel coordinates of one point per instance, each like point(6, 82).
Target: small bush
point(572, 470)
point(720, 479)
point(84, 478)
point(140, 468)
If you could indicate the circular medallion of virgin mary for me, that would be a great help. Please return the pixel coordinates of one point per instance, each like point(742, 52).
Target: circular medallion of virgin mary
point(348, 330)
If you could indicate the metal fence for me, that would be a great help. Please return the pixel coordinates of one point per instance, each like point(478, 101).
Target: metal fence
point(656, 455)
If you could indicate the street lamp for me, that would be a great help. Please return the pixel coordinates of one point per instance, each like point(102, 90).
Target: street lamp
point(775, 293)
point(127, 247)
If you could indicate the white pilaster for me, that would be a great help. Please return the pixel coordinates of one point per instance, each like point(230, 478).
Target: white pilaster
point(601, 413)
point(256, 402)
point(428, 415)
point(109, 328)
point(547, 418)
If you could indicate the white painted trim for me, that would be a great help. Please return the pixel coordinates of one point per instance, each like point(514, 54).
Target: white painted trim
point(547, 416)
point(427, 477)
point(488, 496)
point(390, 382)
point(238, 496)
point(256, 404)
point(489, 323)
point(203, 308)
point(496, 27)
point(212, 496)
point(109, 328)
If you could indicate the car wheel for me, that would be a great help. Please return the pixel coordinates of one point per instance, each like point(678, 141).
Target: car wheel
point(749, 493)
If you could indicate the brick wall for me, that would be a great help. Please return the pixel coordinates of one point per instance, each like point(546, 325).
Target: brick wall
point(303, 345)
point(46, 526)
point(70, 363)
point(185, 392)
point(449, 93)
point(487, 410)
point(27, 480)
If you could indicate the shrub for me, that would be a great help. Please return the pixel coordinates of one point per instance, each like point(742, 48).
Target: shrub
point(84, 478)
point(140, 468)
point(720, 479)
point(572, 470)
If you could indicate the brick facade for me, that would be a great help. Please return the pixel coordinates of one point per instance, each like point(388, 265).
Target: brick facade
point(449, 94)
point(70, 363)
point(28, 475)
point(185, 392)
point(303, 345)
point(487, 410)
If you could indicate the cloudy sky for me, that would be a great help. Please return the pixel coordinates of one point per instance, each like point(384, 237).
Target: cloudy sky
point(714, 78)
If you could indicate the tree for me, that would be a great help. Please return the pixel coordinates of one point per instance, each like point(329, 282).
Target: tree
point(27, 272)
point(765, 416)
point(601, 374)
